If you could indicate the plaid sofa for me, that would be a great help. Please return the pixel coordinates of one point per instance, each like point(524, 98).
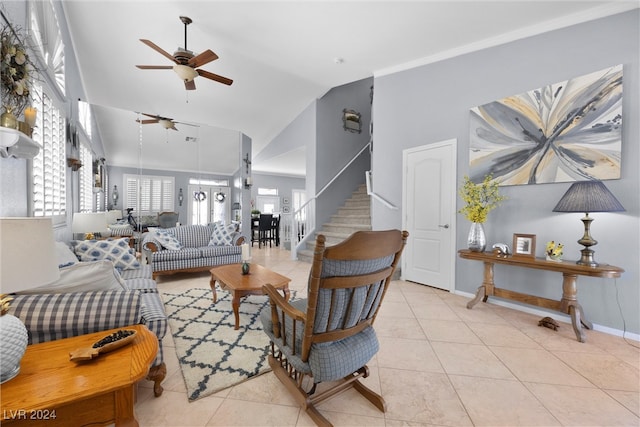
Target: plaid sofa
point(196, 254)
point(55, 316)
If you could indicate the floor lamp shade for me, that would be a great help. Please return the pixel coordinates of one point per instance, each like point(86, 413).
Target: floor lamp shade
point(27, 260)
point(586, 197)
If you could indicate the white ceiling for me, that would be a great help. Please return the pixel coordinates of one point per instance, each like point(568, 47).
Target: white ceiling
point(281, 56)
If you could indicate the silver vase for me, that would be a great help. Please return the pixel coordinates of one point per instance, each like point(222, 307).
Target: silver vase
point(476, 241)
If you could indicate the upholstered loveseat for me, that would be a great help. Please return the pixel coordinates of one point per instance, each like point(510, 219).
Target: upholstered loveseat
point(189, 248)
point(92, 295)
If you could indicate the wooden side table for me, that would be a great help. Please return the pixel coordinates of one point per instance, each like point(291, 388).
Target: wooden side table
point(230, 278)
point(570, 272)
point(50, 390)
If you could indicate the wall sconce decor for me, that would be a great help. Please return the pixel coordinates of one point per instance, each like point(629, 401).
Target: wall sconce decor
point(248, 182)
point(74, 164)
point(247, 162)
point(588, 196)
point(180, 197)
point(115, 195)
point(351, 121)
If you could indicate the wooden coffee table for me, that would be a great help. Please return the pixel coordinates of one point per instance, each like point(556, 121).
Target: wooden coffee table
point(50, 390)
point(230, 278)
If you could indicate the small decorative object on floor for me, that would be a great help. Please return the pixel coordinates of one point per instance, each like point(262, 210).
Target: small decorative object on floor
point(548, 322)
point(479, 199)
point(553, 251)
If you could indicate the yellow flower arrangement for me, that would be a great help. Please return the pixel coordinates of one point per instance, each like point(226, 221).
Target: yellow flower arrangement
point(479, 199)
point(554, 250)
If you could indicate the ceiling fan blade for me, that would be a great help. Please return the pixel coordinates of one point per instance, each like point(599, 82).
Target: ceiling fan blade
point(155, 67)
point(158, 49)
point(173, 126)
point(204, 58)
point(215, 77)
point(146, 122)
point(190, 85)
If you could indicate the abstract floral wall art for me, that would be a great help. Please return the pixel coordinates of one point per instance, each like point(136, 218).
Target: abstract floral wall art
point(567, 131)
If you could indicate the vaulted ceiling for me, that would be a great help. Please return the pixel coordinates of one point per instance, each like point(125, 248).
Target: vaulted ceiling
point(282, 55)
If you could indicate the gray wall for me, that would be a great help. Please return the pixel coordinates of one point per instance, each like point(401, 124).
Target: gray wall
point(181, 181)
point(335, 147)
point(431, 103)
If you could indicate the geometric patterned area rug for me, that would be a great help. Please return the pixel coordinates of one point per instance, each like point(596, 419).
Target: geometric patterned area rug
point(212, 354)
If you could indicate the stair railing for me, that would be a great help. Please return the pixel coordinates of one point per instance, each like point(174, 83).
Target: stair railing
point(304, 220)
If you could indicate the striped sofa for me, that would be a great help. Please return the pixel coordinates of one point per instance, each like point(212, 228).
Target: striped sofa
point(196, 253)
point(52, 316)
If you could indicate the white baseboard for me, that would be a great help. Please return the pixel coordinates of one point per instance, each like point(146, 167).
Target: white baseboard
point(554, 315)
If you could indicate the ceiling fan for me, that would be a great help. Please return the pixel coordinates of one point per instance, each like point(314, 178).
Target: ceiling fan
point(186, 64)
point(165, 122)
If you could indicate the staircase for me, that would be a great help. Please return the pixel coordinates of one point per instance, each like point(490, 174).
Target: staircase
point(354, 215)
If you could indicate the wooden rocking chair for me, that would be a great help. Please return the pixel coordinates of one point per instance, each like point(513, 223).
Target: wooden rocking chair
point(329, 337)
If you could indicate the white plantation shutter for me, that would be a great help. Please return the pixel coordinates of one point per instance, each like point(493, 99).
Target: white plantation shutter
point(49, 174)
point(86, 179)
point(148, 194)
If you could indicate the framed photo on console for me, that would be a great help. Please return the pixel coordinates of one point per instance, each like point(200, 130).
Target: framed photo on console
point(524, 245)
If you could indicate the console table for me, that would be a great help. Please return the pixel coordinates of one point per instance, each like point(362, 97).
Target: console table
point(570, 272)
point(50, 390)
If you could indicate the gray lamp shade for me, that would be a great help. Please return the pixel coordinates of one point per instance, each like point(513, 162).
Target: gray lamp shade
point(588, 196)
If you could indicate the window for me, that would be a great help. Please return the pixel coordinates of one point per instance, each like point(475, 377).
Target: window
point(209, 182)
point(267, 191)
point(84, 117)
point(86, 179)
point(49, 174)
point(45, 30)
point(148, 194)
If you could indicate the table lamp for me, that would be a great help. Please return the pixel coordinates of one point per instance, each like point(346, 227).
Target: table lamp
point(113, 216)
point(89, 223)
point(25, 243)
point(588, 196)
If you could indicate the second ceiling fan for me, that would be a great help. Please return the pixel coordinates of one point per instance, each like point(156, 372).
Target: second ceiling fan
point(186, 64)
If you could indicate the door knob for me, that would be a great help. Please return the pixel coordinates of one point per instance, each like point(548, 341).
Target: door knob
point(444, 226)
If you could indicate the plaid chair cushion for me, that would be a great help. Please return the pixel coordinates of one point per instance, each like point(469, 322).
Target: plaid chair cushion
point(327, 361)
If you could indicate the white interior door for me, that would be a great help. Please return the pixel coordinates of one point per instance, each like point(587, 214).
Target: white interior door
point(429, 196)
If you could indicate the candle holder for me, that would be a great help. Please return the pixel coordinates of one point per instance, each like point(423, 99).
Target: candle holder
point(245, 267)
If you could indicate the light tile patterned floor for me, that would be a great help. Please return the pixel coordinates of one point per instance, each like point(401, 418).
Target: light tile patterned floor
point(439, 364)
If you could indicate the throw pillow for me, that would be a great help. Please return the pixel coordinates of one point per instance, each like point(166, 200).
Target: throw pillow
point(116, 250)
point(83, 277)
point(64, 255)
point(222, 234)
point(167, 240)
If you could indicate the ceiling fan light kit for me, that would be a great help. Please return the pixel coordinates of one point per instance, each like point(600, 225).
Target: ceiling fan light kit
point(185, 72)
point(186, 65)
